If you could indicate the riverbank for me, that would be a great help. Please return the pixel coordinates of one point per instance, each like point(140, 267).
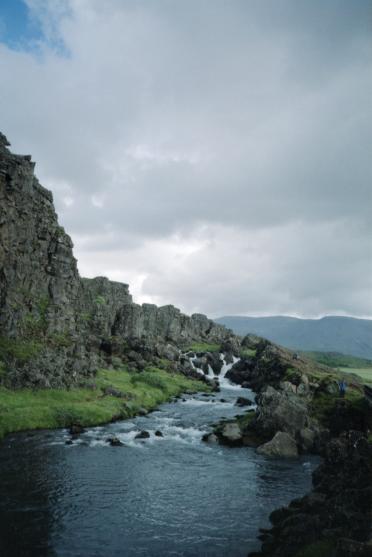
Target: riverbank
point(109, 396)
point(175, 494)
point(301, 409)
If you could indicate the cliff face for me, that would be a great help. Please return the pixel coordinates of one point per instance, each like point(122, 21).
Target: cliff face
point(54, 326)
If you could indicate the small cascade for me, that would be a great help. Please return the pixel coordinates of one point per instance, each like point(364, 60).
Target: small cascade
point(210, 372)
point(223, 381)
point(191, 360)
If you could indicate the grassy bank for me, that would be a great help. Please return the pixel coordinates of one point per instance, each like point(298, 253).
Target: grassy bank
point(109, 396)
point(204, 347)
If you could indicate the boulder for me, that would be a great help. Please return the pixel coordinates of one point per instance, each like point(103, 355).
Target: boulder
point(158, 433)
point(281, 445)
point(288, 387)
point(214, 360)
point(213, 383)
point(280, 411)
point(76, 429)
point(142, 435)
point(114, 442)
point(241, 371)
point(242, 401)
point(306, 439)
point(210, 438)
point(111, 391)
point(168, 351)
point(231, 434)
point(231, 345)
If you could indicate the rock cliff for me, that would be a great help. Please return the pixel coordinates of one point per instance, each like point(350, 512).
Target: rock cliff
point(56, 327)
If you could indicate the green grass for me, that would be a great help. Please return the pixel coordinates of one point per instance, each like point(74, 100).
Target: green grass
point(26, 409)
point(335, 359)
point(247, 353)
point(204, 347)
point(322, 405)
point(22, 350)
point(246, 419)
point(364, 373)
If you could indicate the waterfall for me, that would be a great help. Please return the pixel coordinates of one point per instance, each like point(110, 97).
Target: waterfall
point(223, 381)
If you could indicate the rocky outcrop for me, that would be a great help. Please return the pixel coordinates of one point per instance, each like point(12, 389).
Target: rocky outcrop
point(167, 322)
point(335, 518)
point(41, 341)
point(280, 411)
point(281, 445)
point(271, 364)
point(55, 327)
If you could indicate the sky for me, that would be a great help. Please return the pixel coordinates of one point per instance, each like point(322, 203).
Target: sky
point(214, 154)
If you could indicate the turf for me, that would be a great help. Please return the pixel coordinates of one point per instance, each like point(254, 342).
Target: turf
point(25, 409)
point(204, 347)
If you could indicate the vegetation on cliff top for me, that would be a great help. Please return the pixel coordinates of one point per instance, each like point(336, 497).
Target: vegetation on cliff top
point(109, 396)
point(204, 347)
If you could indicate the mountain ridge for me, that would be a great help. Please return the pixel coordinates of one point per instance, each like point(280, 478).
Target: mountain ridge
point(331, 333)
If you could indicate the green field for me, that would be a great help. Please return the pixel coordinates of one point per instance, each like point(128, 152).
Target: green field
point(247, 353)
point(25, 409)
point(204, 347)
point(364, 373)
point(335, 359)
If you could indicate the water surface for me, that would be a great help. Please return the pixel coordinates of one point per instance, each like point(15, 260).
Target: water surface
point(163, 496)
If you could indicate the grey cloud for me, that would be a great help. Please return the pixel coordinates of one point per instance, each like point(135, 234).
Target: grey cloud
point(243, 120)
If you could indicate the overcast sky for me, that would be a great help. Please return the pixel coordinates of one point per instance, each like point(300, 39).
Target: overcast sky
point(214, 154)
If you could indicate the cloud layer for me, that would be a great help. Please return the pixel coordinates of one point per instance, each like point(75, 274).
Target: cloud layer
point(215, 155)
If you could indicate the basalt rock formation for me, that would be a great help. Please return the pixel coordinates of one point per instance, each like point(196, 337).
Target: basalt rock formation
point(334, 519)
point(56, 327)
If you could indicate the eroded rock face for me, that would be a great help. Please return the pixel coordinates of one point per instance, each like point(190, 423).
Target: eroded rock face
point(55, 327)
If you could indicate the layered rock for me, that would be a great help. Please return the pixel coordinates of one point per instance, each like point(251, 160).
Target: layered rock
point(167, 322)
point(54, 326)
point(40, 338)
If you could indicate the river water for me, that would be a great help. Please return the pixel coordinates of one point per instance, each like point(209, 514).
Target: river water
point(163, 496)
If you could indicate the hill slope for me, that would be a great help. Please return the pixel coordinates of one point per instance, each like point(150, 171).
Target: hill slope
point(331, 334)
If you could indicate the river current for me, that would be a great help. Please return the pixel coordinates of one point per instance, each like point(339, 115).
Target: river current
point(162, 496)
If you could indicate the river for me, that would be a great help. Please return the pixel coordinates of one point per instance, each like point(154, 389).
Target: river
point(162, 496)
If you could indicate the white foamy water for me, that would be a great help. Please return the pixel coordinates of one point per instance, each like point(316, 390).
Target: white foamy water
point(225, 383)
point(198, 369)
point(199, 402)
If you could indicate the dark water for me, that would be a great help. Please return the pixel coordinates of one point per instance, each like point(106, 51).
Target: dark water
point(171, 496)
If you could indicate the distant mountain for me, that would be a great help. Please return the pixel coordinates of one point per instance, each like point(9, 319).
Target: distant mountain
point(329, 334)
